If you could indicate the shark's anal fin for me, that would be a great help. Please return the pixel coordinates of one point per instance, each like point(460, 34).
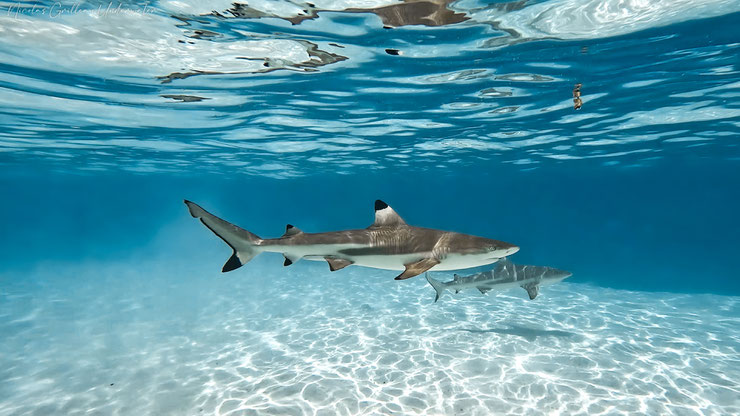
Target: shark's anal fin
point(290, 231)
point(289, 259)
point(417, 268)
point(337, 264)
point(532, 290)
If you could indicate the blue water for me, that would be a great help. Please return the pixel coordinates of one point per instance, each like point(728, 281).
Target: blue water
point(460, 115)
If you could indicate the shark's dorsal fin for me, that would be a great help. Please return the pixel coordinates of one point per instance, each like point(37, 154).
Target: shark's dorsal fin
point(385, 216)
point(532, 290)
point(291, 230)
point(455, 277)
point(483, 289)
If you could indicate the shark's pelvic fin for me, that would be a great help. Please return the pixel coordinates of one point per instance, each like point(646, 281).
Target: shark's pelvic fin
point(291, 230)
point(532, 290)
point(244, 243)
point(437, 285)
point(337, 264)
point(417, 268)
point(385, 216)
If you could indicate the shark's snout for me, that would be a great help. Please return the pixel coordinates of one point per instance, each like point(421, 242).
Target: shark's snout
point(558, 275)
point(511, 250)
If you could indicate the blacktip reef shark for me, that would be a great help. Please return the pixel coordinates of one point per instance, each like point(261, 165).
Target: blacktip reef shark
point(506, 275)
point(389, 243)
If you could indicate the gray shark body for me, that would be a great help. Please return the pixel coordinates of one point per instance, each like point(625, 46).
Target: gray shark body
point(506, 275)
point(389, 243)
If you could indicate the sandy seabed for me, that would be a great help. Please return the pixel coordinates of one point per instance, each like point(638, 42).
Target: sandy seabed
point(263, 340)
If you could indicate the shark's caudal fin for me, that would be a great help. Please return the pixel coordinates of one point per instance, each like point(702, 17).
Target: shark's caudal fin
point(244, 243)
point(437, 285)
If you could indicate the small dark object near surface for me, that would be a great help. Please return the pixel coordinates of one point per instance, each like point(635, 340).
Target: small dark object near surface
point(577, 102)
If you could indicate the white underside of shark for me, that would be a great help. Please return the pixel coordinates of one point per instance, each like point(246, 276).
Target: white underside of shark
point(397, 262)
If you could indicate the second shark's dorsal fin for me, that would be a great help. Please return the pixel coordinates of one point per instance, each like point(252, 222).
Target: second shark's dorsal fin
point(291, 230)
point(385, 216)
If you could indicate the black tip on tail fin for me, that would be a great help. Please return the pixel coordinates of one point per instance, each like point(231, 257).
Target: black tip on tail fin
point(244, 244)
point(232, 264)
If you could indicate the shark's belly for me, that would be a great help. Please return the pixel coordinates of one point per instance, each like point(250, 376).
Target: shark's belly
point(459, 261)
point(501, 286)
point(399, 261)
point(385, 262)
point(376, 259)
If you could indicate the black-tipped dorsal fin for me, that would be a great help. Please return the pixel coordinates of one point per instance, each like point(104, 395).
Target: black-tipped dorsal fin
point(291, 230)
point(385, 216)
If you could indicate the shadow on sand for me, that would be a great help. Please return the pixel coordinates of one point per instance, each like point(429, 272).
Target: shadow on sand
point(530, 334)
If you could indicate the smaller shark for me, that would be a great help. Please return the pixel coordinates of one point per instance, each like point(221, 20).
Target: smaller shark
point(506, 275)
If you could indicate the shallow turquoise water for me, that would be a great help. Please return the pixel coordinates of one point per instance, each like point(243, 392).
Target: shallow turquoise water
point(461, 115)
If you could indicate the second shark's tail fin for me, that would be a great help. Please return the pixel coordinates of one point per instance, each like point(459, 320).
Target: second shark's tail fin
point(437, 285)
point(244, 243)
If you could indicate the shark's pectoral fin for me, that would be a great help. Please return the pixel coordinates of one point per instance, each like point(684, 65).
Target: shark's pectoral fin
point(290, 259)
point(532, 290)
point(337, 264)
point(417, 268)
point(484, 289)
